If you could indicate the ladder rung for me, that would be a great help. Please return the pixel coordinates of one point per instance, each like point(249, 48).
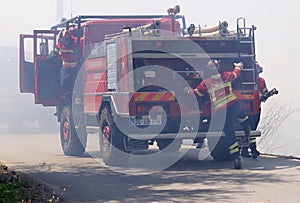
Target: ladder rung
point(246, 42)
point(246, 55)
point(249, 83)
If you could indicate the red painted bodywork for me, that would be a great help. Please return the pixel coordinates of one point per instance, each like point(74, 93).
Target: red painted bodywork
point(125, 99)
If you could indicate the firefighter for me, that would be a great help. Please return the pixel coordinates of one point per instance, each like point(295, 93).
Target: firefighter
point(223, 100)
point(67, 51)
point(263, 90)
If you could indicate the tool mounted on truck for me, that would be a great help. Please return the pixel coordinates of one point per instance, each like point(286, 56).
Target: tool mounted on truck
point(131, 82)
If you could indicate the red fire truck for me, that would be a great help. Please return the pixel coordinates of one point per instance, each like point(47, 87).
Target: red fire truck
point(131, 83)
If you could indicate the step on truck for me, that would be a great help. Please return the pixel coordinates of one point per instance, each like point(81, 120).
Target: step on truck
point(130, 88)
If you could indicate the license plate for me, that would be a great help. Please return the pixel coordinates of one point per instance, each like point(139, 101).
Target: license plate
point(147, 121)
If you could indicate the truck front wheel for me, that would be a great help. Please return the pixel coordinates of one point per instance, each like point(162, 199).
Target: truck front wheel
point(111, 140)
point(71, 144)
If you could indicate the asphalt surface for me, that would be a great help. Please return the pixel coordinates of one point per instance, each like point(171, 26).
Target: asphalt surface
point(196, 177)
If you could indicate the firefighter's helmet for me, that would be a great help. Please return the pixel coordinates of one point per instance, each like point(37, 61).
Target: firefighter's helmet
point(63, 33)
point(65, 37)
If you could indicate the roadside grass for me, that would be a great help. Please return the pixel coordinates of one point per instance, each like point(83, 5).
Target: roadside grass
point(16, 188)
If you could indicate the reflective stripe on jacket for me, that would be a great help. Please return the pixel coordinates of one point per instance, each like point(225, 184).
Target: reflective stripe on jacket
point(261, 86)
point(67, 55)
point(219, 88)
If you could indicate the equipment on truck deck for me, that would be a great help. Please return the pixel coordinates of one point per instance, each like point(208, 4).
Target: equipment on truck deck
point(218, 30)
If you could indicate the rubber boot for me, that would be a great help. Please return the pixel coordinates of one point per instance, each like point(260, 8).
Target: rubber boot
point(237, 162)
point(234, 151)
point(254, 152)
point(245, 153)
point(237, 159)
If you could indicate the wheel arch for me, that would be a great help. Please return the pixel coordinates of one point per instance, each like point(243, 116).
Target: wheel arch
point(106, 101)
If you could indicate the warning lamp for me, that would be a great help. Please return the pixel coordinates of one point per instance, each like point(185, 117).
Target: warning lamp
point(139, 109)
point(142, 109)
point(145, 109)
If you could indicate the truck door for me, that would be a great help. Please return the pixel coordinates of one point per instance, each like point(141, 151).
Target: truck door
point(26, 66)
point(37, 74)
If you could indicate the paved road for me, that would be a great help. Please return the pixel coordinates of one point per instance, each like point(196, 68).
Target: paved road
point(86, 179)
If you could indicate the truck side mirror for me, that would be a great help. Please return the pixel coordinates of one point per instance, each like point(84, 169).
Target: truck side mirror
point(44, 49)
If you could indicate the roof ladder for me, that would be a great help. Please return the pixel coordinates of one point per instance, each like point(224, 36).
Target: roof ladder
point(246, 52)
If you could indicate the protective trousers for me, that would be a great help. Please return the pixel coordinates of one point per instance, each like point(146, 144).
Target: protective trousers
point(227, 117)
point(236, 112)
point(252, 145)
point(67, 80)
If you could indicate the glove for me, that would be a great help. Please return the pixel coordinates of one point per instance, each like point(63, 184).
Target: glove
point(52, 56)
point(263, 98)
point(240, 65)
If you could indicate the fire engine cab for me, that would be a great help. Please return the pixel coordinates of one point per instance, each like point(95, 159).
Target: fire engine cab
point(131, 81)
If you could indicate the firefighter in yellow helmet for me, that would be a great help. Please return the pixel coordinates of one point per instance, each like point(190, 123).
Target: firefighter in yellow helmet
point(223, 100)
point(66, 49)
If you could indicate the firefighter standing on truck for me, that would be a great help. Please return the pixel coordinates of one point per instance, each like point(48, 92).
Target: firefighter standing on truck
point(219, 87)
point(263, 90)
point(66, 49)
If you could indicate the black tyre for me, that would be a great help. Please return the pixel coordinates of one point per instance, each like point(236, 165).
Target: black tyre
point(111, 140)
point(73, 141)
point(218, 148)
point(169, 145)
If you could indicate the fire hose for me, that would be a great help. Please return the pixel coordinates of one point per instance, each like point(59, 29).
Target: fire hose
point(220, 29)
point(148, 29)
point(272, 92)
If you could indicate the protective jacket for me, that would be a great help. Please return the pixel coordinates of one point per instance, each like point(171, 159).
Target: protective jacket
point(261, 85)
point(219, 88)
point(68, 53)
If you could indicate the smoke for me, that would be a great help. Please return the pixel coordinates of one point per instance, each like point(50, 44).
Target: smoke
point(278, 124)
point(18, 113)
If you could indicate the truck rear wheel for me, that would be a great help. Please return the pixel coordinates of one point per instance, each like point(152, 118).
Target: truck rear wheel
point(218, 148)
point(111, 140)
point(71, 143)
